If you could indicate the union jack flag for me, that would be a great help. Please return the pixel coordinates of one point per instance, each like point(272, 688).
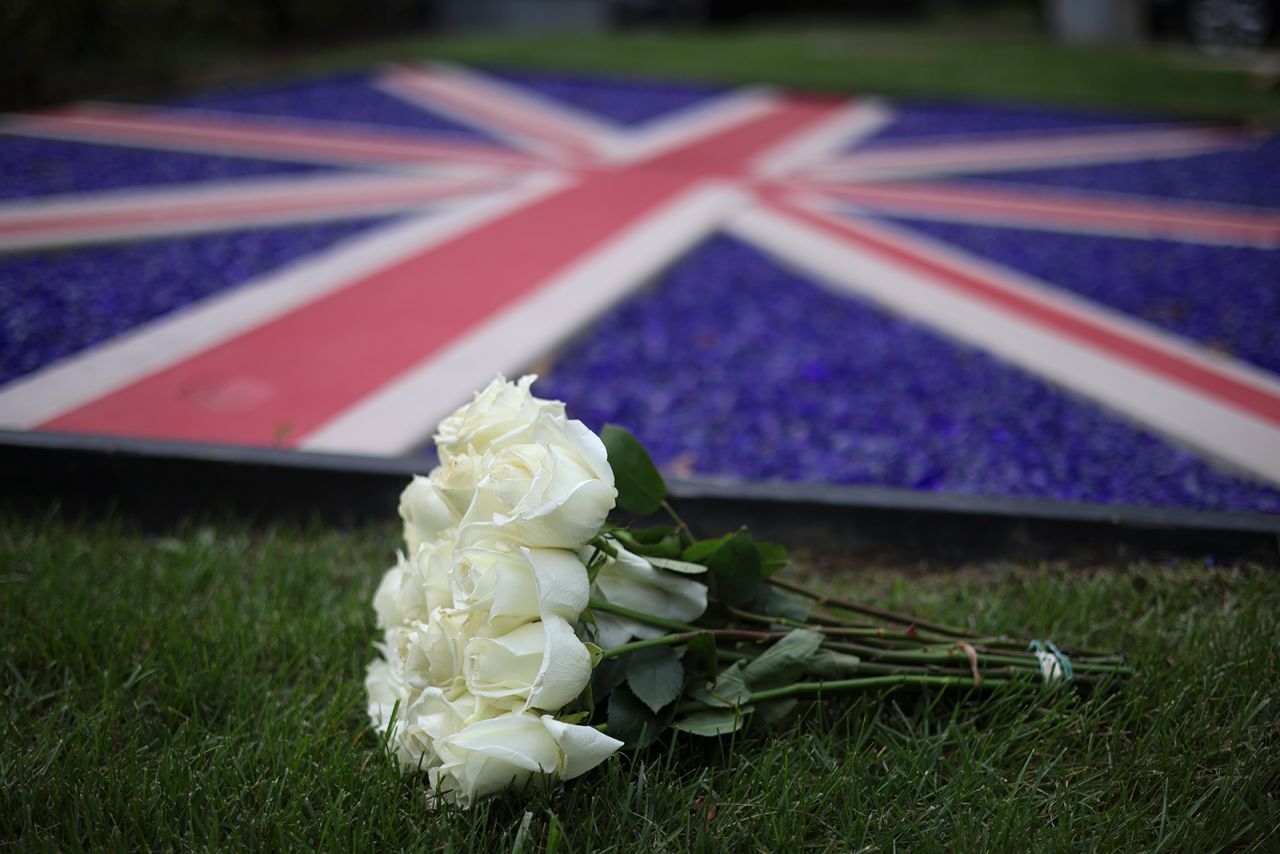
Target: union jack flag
point(505, 244)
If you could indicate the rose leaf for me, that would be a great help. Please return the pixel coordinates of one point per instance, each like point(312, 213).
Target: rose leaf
point(630, 720)
point(735, 566)
point(713, 722)
point(783, 662)
point(641, 489)
point(655, 676)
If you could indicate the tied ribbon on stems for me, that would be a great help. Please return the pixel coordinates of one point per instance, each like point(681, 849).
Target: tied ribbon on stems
point(528, 633)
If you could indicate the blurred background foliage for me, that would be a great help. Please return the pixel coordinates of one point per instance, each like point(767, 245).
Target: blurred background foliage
point(60, 50)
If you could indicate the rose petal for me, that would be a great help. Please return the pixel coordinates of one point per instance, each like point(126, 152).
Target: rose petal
point(584, 747)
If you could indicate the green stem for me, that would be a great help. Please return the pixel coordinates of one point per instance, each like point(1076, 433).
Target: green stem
point(826, 618)
point(805, 688)
point(601, 544)
point(887, 616)
point(685, 532)
point(661, 640)
point(1018, 647)
point(749, 617)
point(958, 656)
point(923, 654)
point(864, 632)
point(685, 637)
point(641, 617)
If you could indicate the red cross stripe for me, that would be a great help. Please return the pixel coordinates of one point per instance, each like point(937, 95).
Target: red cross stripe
point(361, 348)
point(1087, 213)
point(191, 130)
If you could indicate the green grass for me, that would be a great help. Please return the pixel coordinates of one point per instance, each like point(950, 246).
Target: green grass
point(931, 63)
point(202, 689)
point(945, 59)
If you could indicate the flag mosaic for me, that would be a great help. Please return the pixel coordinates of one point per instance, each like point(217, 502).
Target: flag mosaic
point(765, 286)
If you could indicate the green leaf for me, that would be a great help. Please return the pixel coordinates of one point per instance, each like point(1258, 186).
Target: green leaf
point(729, 690)
point(703, 549)
point(712, 722)
point(775, 712)
point(783, 662)
point(655, 675)
point(735, 566)
point(596, 653)
point(607, 676)
point(641, 489)
point(630, 720)
point(703, 649)
point(773, 557)
point(682, 566)
point(773, 602)
point(826, 664)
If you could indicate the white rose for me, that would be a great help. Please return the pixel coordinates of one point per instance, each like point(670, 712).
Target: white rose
point(388, 692)
point(433, 506)
point(387, 598)
point(632, 582)
point(544, 495)
point(433, 651)
point(430, 717)
point(425, 513)
point(506, 751)
point(456, 481)
point(501, 414)
point(510, 585)
point(415, 586)
point(539, 665)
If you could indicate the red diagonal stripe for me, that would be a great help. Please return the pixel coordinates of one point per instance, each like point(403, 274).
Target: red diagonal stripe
point(273, 138)
point(1032, 207)
point(285, 378)
point(1219, 385)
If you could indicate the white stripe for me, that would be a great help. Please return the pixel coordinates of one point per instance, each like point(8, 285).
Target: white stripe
point(517, 107)
point(703, 119)
point(1028, 287)
point(1106, 214)
point(402, 415)
point(1227, 434)
point(213, 192)
point(1048, 151)
point(613, 144)
point(852, 124)
point(181, 209)
point(108, 367)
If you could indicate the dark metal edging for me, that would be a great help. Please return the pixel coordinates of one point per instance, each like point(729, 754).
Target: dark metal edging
point(885, 498)
point(163, 480)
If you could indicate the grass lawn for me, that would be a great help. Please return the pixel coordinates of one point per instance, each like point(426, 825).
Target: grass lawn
point(934, 63)
point(202, 689)
point(997, 57)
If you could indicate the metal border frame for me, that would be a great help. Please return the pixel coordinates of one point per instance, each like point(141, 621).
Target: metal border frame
point(160, 481)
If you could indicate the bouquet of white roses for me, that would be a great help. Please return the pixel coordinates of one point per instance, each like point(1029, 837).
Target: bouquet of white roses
point(519, 614)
